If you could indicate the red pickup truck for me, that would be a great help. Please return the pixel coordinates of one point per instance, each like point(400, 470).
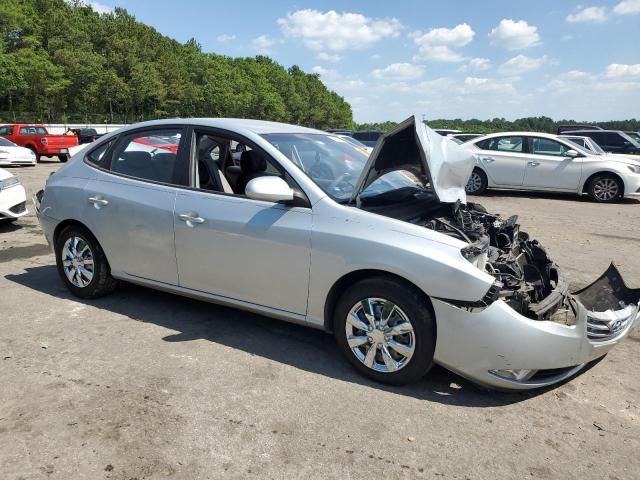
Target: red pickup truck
point(37, 139)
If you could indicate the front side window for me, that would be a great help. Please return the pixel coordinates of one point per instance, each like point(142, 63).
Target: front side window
point(149, 155)
point(545, 146)
point(505, 144)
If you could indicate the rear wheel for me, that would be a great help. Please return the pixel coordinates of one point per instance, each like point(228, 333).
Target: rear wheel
point(82, 264)
point(386, 330)
point(605, 188)
point(477, 182)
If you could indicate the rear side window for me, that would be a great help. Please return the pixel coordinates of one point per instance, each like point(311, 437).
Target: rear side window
point(149, 155)
point(96, 155)
point(505, 144)
point(545, 146)
point(6, 130)
point(32, 131)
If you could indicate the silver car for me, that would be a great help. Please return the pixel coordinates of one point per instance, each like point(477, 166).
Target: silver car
point(383, 251)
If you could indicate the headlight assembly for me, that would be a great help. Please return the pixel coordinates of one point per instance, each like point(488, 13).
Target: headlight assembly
point(634, 168)
point(9, 182)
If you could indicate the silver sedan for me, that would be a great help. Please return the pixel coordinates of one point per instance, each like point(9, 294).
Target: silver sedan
point(382, 250)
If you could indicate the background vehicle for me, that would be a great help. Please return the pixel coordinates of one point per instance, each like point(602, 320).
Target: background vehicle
point(570, 128)
point(368, 137)
point(12, 154)
point(86, 135)
point(13, 198)
point(464, 137)
point(446, 131)
point(539, 161)
point(39, 141)
point(356, 143)
point(383, 254)
point(613, 141)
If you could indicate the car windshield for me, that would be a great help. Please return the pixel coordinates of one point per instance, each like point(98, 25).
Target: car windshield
point(634, 135)
point(6, 143)
point(353, 141)
point(630, 139)
point(584, 145)
point(335, 165)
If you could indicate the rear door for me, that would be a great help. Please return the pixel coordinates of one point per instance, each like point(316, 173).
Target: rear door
point(549, 167)
point(503, 158)
point(130, 202)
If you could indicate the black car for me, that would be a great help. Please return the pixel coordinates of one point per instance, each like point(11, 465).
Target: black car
point(572, 128)
point(86, 135)
point(613, 141)
point(368, 137)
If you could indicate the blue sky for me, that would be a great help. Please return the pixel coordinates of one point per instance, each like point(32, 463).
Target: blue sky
point(455, 59)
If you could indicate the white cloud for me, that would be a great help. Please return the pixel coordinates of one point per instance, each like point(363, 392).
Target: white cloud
point(588, 14)
point(337, 81)
point(476, 65)
point(225, 38)
point(514, 35)
point(375, 56)
point(618, 70)
point(96, 6)
point(481, 86)
point(263, 44)
point(521, 64)
point(333, 31)
point(439, 44)
point(399, 72)
point(328, 57)
point(627, 7)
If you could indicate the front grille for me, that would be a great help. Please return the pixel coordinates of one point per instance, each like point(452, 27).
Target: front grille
point(19, 208)
point(601, 330)
point(550, 373)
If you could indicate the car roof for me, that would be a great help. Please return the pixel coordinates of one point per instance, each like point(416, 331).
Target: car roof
point(598, 131)
point(258, 127)
point(521, 134)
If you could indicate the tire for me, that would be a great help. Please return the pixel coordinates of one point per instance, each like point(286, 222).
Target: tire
point(605, 188)
point(30, 147)
point(63, 158)
point(477, 183)
point(410, 306)
point(100, 281)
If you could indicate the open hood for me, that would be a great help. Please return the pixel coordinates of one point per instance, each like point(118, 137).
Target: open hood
point(415, 147)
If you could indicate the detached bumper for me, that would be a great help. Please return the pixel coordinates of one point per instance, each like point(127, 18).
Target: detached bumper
point(13, 202)
point(499, 348)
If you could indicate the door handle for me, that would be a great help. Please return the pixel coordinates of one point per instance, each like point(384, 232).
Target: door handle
point(488, 159)
point(191, 218)
point(98, 201)
point(533, 164)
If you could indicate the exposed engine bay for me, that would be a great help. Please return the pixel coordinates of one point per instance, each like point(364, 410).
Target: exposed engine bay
point(528, 279)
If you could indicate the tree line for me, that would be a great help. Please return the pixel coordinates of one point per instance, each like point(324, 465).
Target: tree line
point(528, 124)
point(62, 62)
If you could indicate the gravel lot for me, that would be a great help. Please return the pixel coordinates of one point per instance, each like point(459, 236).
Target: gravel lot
point(143, 385)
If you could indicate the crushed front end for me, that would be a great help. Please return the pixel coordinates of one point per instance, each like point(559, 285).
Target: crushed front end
point(529, 331)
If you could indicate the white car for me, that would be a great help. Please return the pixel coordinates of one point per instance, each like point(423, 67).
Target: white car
point(12, 154)
point(545, 162)
point(13, 198)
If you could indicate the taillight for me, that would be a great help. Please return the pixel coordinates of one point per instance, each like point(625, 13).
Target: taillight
point(44, 141)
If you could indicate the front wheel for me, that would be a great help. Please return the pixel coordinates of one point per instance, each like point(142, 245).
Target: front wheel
point(477, 182)
point(605, 188)
point(386, 330)
point(81, 263)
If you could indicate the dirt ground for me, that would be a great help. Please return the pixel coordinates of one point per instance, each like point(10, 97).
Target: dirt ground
point(142, 385)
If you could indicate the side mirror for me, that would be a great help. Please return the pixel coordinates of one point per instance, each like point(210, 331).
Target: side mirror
point(573, 153)
point(269, 189)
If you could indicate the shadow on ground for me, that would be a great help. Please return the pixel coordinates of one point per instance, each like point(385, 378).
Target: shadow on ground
point(302, 347)
point(547, 196)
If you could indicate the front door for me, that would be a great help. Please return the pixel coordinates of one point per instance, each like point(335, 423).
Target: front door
point(548, 166)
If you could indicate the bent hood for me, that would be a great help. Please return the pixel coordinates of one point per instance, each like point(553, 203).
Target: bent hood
point(415, 147)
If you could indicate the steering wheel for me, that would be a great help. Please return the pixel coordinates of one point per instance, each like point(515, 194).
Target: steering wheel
point(341, 182)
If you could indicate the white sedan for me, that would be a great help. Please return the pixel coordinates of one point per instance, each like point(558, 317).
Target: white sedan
point(545, 162)
point(12, 154)
point(13, 198)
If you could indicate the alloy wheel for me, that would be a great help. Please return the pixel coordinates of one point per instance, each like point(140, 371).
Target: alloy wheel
point(380, 335)
point(77, 261)
point(475, 183)
point(605, 189)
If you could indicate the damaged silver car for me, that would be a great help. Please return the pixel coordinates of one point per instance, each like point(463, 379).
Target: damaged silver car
point(384, 251)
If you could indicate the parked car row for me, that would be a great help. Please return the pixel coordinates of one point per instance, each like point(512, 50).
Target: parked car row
point(37, 139)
